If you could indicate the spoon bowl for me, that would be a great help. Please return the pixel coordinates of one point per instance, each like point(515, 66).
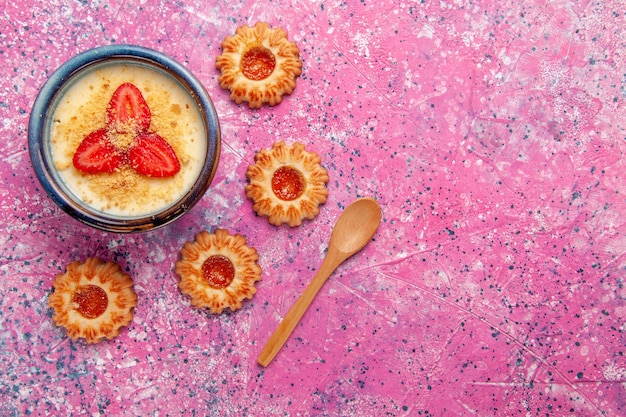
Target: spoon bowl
point(354, 228)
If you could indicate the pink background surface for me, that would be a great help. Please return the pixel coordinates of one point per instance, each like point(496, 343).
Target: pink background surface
point(493, 134)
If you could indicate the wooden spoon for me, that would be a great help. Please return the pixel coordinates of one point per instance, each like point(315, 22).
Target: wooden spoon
point(354, 228)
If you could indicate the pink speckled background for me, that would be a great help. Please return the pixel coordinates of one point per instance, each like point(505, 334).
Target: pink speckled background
point(492, 133)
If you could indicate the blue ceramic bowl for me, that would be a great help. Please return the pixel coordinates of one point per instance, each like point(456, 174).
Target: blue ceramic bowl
point(40, 126)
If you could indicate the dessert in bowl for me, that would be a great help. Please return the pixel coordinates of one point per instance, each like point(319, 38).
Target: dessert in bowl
point(124, 139)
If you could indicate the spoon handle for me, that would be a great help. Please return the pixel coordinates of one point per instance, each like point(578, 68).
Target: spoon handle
point(292, 318)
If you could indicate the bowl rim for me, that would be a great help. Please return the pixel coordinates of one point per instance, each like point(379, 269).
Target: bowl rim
point(42, 109)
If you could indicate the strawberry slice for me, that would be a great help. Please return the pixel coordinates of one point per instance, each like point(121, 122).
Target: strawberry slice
point(128, 111)
point(152, 156)
point(97, 154)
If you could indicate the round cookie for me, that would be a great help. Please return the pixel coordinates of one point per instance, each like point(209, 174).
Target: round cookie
point(218, 270)
point(93, 300)
point(287, 184)
point(259, 65)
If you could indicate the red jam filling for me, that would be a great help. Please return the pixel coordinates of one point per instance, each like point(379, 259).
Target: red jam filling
point(288, 183)
point(258, 63)
point(218, 271)
point(90, 300)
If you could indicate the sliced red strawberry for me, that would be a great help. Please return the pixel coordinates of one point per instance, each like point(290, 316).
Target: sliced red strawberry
point(128, 111)
point(96, 154)
point(152, 156)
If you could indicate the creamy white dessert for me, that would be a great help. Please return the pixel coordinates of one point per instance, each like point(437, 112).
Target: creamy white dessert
point(174, 116)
